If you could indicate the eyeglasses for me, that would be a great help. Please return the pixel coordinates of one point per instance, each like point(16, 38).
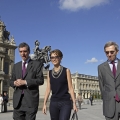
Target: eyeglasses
point(55, 57)
point(111, 52)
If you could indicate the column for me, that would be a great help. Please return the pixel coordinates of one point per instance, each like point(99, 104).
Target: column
point(10, 68)
point(1, 86)
point(2, 64)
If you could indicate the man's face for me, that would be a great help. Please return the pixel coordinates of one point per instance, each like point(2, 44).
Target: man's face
point(111, 52)
point(24, 53)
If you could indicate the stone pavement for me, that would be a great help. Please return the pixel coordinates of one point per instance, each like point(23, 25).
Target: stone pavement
point(87, 112)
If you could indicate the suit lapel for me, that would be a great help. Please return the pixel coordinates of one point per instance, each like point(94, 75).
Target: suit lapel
point(118, 69)
point(107, 67)
point(20, 69)
point(28, 67)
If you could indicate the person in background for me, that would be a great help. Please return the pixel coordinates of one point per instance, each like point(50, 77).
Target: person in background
point(5, 101)
point(60, 83)
point(91, 100)
point(80, 100)
point(1, 102)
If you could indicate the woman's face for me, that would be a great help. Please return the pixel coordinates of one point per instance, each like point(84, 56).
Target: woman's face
point(55, 59)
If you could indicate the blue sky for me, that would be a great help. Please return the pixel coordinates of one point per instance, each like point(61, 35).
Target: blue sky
point(79, 28)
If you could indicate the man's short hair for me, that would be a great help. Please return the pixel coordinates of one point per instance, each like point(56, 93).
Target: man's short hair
point(110, 43)
point(24, 45)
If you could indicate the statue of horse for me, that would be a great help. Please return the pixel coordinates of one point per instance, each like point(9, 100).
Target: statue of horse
point(41, 54)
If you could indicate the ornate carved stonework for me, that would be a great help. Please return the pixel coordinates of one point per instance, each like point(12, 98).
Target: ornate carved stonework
point(4, 35)
point(7, 54)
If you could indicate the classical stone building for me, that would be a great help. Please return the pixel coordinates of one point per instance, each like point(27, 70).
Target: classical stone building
point(86, 85)
point(7, 57)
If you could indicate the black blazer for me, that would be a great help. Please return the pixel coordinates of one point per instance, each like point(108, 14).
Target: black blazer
point(34, 78)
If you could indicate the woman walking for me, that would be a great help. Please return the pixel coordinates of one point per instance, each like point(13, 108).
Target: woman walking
point(60, 83)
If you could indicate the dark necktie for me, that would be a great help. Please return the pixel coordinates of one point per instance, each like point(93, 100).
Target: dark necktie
point(114, 74)
point(113, 69)
point(23, 72)
point(23, 69)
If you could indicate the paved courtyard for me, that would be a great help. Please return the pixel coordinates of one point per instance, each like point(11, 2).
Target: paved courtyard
point(87, 112)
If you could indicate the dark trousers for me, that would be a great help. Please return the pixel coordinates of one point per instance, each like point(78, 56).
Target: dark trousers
point(22, 112)
point(117, 112)
point(91, 101)
point(60, 110)
point(5, 106)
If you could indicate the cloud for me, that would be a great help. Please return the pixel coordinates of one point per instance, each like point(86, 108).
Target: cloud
point(74, 5)
point(93, 60)
point(101, 60)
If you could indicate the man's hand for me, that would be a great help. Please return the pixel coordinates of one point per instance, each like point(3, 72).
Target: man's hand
point(20, 82)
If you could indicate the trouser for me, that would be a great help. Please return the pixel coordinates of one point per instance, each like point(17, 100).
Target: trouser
point(117, 112)
point(60, 110)
point(23, 112)
point(79, 103)
point(0, 107)
point(5, 106)
point(91, 102)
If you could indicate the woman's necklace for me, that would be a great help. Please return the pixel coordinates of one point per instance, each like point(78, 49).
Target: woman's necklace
point(58, 73)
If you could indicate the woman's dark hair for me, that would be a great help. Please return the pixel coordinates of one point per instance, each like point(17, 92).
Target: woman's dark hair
point(57, 52)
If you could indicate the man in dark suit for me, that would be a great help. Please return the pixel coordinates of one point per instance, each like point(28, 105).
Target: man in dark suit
point(26, 77)
point(109, 81)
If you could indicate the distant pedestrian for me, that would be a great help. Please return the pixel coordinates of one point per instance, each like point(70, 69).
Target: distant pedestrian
point(91, 100)
point(1, 102)
point(5, 101)
point(79, 100)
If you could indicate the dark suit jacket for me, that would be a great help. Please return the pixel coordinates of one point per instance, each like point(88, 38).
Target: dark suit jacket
point(34, 78)
point(109, 86)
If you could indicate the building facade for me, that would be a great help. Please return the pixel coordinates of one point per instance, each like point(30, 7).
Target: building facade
point(86, 85)
point(7, 57)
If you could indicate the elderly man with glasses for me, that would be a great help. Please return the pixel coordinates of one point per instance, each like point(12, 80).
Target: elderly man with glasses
point(109, 81)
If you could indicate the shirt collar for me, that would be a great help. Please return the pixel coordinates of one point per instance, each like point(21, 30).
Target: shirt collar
point(116, 61)
point(26, 60)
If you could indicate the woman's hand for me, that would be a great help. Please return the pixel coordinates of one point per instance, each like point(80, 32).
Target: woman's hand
point(75, 107)
point(44, 110)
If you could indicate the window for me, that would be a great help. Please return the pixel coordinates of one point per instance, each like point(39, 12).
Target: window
point(6, 67)
point(6, 50)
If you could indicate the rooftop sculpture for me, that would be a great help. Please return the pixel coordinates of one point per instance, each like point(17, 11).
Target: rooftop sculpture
point(41, 54)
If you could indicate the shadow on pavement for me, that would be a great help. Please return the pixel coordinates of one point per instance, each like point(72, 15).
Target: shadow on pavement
point(8, 111)
point(84, 108)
